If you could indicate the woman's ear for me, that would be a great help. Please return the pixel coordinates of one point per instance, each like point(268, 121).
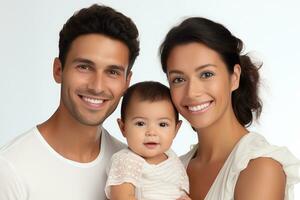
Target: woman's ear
point(121, 126)
point(235, 77)
point(57, 70)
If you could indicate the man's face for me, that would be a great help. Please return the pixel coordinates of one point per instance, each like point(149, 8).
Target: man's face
point(93, 79)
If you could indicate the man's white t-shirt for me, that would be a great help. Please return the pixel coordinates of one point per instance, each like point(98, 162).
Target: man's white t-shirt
point(30, 169)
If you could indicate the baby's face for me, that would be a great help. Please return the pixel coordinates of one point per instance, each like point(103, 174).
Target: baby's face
point(150, 128)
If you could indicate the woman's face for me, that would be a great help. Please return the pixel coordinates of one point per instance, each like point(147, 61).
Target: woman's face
point(200, 84)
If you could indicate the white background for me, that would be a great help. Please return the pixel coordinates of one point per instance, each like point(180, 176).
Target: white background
point(29, 43)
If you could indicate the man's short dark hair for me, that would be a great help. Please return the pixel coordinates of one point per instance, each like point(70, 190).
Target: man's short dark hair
point(102, 20)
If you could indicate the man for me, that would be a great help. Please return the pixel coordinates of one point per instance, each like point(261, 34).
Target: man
point(66, 156)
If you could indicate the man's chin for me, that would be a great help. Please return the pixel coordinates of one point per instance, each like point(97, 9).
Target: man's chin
point(91, 123)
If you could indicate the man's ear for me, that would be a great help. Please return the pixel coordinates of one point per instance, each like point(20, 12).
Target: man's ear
point(128, 78)
point(178, 125)
point(235, 77)
point(57, 70)
point(121, 126)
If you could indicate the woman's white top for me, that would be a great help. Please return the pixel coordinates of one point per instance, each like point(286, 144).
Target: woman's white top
point(250, 146)
point(167, 180)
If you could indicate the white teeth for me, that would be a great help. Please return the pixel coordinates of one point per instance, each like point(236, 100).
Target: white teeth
point(199, 107)
point(93, 101)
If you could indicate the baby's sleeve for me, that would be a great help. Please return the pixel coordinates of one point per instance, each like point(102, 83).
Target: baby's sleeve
point(125, 167)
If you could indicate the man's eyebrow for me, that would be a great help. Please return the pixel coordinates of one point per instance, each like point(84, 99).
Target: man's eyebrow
point(117, 67)
point(83, 60)
point(87, 61)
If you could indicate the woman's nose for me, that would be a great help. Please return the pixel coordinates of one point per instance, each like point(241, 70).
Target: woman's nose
point(193, 88)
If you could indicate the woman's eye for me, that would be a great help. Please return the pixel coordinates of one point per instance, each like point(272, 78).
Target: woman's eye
point(163, 124)
point(177, 80)
point(139, 123)
point(206, 75)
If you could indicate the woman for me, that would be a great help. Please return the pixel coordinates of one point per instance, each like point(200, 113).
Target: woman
point(215, 88)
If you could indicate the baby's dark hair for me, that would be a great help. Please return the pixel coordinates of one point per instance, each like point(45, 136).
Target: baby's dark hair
point(245, 99)
point(146, 91)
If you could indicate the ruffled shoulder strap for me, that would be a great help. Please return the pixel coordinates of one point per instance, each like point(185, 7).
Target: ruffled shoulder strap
point(253, 146)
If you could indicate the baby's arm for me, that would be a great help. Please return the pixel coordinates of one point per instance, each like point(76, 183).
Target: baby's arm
point(124, 191)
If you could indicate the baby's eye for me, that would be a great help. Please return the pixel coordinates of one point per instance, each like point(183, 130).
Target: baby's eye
point(206, 75)
point(139, 123)
point(163, 124)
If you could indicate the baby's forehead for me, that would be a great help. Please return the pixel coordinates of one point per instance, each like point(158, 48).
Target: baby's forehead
point(162, 105)
point(138, 98)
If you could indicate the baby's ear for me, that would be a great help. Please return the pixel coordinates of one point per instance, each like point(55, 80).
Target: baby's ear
point(121, 126)
point(178, 124)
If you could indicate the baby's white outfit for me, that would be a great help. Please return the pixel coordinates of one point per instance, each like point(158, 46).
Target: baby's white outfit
point(167, 180)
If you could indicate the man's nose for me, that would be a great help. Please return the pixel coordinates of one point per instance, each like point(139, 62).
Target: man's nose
point(96, 82)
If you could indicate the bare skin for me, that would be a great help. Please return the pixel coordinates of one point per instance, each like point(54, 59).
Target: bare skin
point(201, 89)
point(213, 151)
point(78, 143)
point(125, 191)
point(264, 178)
point(93, 79)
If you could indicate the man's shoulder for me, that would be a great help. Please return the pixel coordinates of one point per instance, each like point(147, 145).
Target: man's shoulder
point(11, 185)
point(12, 156)
point(19, 145)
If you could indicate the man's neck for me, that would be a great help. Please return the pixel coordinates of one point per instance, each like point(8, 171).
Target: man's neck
point(70, 138)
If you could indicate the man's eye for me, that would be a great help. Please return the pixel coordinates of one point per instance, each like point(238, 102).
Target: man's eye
point(163, 124)
point(206, 75)
point(84, 67)
point(114, 72)
point(139, 123)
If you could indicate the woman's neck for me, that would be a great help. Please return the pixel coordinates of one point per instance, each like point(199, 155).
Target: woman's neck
point(217, 141)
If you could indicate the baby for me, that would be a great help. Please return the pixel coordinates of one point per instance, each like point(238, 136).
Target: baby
point(148, 169)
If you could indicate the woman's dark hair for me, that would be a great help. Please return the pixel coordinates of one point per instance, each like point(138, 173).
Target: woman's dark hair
point(245, 99)
point(103, 20)
point(147, 91)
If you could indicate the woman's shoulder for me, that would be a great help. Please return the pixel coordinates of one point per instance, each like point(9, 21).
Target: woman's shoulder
point(252, 163)
point(259, 173)
point(254, 145)
point(255, 155)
